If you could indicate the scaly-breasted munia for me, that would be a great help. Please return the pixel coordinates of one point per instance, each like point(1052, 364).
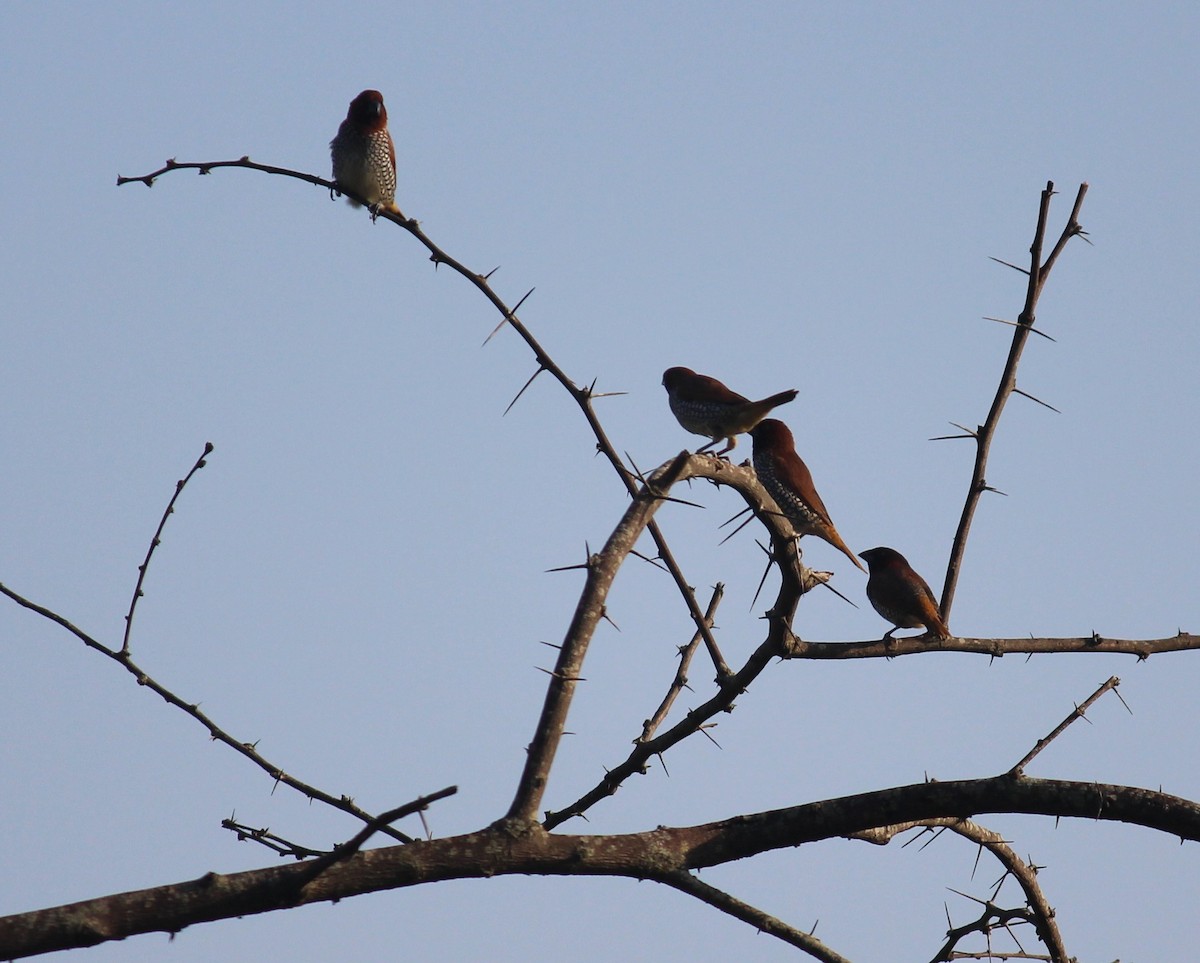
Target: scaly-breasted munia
point(788, 480)
point(364, 158)
point(900, 595)
point(704, 406)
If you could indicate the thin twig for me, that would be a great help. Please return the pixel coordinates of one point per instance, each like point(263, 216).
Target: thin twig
point(154, 543)
point(248, 749)
point(264, 837)
point(763, 922)
point(347, 849)
point(681, 679)
point(1042, 914)
point(1078, 713)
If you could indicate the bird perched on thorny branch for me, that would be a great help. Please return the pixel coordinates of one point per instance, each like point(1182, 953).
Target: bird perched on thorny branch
point(704, 406)
point(788, 480)
point(900, 595)
point(364, 158)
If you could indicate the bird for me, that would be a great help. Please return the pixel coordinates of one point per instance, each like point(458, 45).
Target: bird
point(364, 158)
point(704, 406)
point(788, 480)
point(900, 595)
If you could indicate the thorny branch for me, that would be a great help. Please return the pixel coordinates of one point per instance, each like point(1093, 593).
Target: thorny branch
point(658, 854)
point(155, 541)
point(795, 580)
point(650, 726)
point(763, 922)
point(1077, 713)
point(1010, 792)
point(1040, 913)
point(583, 396)
point(1038, 273)
point(248, 749)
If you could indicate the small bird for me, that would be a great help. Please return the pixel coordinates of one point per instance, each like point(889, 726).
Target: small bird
point(900, 595)
point(364, 158)
point(704, 406)
point(788, 480)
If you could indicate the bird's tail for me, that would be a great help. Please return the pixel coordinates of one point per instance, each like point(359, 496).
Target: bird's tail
point(758, 410)
point(941, 630)
point(834, 539)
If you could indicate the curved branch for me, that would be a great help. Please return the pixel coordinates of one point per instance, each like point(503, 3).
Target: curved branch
point(1026, 876)
point(582, 396)
point(156, 541)
point(602, 568)
point(656, 855)
point(796, 580)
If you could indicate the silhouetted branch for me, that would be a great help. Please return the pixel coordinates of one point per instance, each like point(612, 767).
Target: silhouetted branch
point(993, 648)
point(763, 922)
point(601, 570)
point(248, 749)
point(1077, 713)
point(650, 726)
point(154, 543)
point(1038, 273)
point(582, 395)
point(659, 854)
point(1040, 913)
point(796, 580)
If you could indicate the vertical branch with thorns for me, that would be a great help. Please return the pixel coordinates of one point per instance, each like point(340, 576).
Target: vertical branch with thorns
point(1038, 273)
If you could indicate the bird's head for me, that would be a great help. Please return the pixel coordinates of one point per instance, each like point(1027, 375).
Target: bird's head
point(772, 433)
point(882, 557)
point(367, 110)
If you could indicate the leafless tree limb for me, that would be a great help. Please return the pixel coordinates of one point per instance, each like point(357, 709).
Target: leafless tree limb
point(1040, 913)
point(1078, 713)
point(509, 849)
point(601, 570)
point(248, 749)
point(154, 543)
point(650, 726)
point(763, 922)
point(1038, 274)
point(582, 395)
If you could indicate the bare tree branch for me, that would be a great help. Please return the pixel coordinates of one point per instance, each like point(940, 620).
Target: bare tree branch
point(654, 855)
point(602, 569)
point(248, 749)
point(582, 395)
point(763, 922)
point(154, 543)
point(992, 648)
point(1041, 914)
point(650, 726)
point(1038, 273)
point(1078, 713)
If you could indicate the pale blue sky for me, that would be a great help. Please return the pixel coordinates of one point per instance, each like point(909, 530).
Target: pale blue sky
point(786, 195)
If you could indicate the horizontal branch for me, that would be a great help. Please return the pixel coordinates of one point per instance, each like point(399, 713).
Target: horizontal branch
point(994, 648)
point(660, 854)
